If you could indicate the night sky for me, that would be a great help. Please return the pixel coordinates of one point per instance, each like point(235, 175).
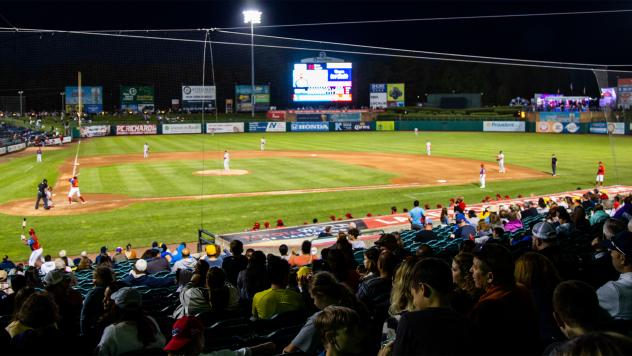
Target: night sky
point(34, 64)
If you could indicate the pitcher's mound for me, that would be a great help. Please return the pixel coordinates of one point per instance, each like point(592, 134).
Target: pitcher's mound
point(221, 172)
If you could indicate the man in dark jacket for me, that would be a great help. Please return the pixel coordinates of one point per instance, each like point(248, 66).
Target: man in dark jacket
point(41, 194)
point(235, 263)
point(156, 263)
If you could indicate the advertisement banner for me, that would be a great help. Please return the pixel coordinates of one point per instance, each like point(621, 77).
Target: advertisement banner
point(95, 131)
point(67, 139)
point(224, 127)
point(556, 127)
point(129, 130)
point(198, 97)
point(290, 233)
point(3, 151)
point(276, 115)
point(503, 126)
point(266, 127)
point(377, 96)
point(137, 98)
point(16, 147)
point(395, 95)
point(613, 128)
point(345, 117)
point(352, 126)
point(53, 141)
point(243, 98)
point(91, 99)
point(309, 117)
point(175, 129)
point(385, 125)
point(559, 117)
point(310, 126)
point(624, 89)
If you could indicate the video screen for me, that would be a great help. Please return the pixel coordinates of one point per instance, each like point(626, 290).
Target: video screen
point(321, 82)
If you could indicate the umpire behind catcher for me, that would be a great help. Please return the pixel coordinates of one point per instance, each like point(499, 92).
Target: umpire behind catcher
point(41, 194)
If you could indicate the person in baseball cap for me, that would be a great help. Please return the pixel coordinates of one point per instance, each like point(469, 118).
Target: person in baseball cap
point(187, 337)
point(544, 236)
point(616, 296)
point(127, 298)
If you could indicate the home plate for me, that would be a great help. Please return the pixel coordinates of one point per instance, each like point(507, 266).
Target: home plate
point(221, 172)
point(442, 181)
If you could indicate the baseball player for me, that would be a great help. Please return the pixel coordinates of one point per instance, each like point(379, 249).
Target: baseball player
point(501, 162)
point(226, 161)
point(36, 249)
point(428, 148)
point(74, 189)
point(601, 171)
point(39, 155)
point(145, 150)
point(416, 131)
point(262, 145)
point(482, 176)
point(554, 165)
point(49, 195)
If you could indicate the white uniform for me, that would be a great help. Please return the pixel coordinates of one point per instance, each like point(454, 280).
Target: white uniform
point(482, 176)
point(49, 195)
point(428, 148)
point(263, 144)
point(501, 162)
point(39, 155)
point(226, 161)
point(146, 151)
point(416, 131)
point(35, 255)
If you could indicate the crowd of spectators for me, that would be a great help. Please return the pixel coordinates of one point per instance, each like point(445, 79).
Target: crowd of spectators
point(550, 278)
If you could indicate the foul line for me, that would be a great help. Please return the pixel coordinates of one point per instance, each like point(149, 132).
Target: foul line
point(74, 166)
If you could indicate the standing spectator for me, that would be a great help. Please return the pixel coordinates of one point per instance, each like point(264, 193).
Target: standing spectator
point(93, 304)
point(277, 299)
point(41, 194)
point(616, 296)
point(416, 216)
point(234, 263)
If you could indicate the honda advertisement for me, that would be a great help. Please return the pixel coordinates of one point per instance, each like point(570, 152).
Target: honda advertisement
point(313, 126)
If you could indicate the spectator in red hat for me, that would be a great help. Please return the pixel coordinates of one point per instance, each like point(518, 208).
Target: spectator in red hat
point(279, 223)
point(266, 225)
point(256, 226)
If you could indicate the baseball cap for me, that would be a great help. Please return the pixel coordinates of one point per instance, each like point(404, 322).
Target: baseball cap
point(53, 277)
point(141, 265)
point(544, 230)
point(127, 298)
point(303, 272)
point(621, 242)
point(84, 254)
point(3, 275)
point(183, 332)
point(62, 253)
point(119, 249)
point(460, 217)
point(211, 250)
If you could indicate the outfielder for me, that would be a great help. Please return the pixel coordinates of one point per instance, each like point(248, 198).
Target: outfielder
point(416, 131)
point(601, 171)
point(262, 145)
point(428, 148)
point(39, 155)
point(482, 175)
point(145, 150)
point(501, 162)
point(226, 161)
point(74, 189)
point(34, 245)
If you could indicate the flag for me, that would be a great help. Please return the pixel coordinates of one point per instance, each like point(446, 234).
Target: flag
point(584, 90)
point(571, 86)
point(558, 91)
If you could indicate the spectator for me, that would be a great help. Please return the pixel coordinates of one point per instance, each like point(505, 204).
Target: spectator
point(277, 299)
point(390, 242)
point(119, 256)
point(565, 229)
point(283, 250)
point(16, 326)
point(578, 219)
point(356, 243)
point(254, 278)
point(605, 343)
point(338, 264)
point(343, 245)
point(186, 262)
point(472, 218)
point(545, 242)
point(506, 309)
point(464, 231)
point(542, 207)
point(177, 254)
point(433, 328)
point(616, 296)
point(156, 263)
point(165, 252)
point(306, 257)
point(234, 263)
point(133, 329)
point(326, 232)
point(416, 216)
point(444, 219)
point(369, 263)
point(514, 224)
point(130, 253)
point(465, 293)
point(68, 300)
point(138, 277)
point(93, 304)
point(39, 332)
point(47, 266)
point(375, 293)
point(6, 264)
point(214, 256)
point(84, 262)
point(342, 331)
point(624, 212)
point(8, 303)
point(103, 254)
point(223, 296)
point(194, 295)
point(426, 234)
point(598, 215)
point(528, 210)
point(401, 297)
point(424, 250)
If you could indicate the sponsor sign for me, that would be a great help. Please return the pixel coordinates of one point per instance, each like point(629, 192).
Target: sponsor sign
point(559, 116)
point(321, 82)
point(556, 127)
point(174, 129)
point(95, 131)
point(3, 150)
point(345, 117)
point(91, 99)
point(289, 233)
point(351, 126)
point(243, 97)
point(276, 115)
point(225, 127)
point(309, 117)
point(504, 126)
point(137, 98)
point(53, 141)
point(266, 126)
point(67, 139)
point(136, 130)
point(310, 126)
point(385, 125)
point(395, 95)
point(16, 147)
point(198, 97)
point(377, 96)
point(613, 128)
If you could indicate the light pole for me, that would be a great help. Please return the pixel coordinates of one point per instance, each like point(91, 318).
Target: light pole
point(63, 108)
point(20, 92)
point(252, 17)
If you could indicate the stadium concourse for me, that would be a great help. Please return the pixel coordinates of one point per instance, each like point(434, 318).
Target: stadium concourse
point(515, 265)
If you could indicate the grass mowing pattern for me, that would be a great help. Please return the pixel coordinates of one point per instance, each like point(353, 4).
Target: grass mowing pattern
point(178, 220)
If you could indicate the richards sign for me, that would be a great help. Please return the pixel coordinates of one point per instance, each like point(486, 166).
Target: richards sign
point(129, 130)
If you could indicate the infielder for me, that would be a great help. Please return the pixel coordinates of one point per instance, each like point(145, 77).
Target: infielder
point(601, 171)
point(416, 131)
point(482, 175)
point(34, 245)
point(145, 150)
point(226, 161)
point(74, 189)
point(428, 148)
point(554, 165)
point(501, 162)
point(39, 155)
point(262, 145)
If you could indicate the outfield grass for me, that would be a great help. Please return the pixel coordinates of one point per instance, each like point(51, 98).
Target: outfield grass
point(175, 221)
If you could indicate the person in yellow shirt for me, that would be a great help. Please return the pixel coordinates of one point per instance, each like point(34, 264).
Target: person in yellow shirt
point(277, 299)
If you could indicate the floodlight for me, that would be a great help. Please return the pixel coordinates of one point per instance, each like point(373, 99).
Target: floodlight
point(252, 16)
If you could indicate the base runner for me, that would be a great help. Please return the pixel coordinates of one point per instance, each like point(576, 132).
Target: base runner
point(74, 189)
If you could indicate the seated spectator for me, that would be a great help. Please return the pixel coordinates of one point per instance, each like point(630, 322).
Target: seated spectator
point(194, 295)
point(93, 303)
point(433, 328)
point(342, 332)
point(326, 232)
point(514, 223)
point(424, 250)
point(528, 210)
point(6, 264)
point(464, 231)
point(465, 293)
point(343, 245)
point(254, 278)
point(138, 277)
point(234, 263)
point(84, 262)
point(542, 207)
point(156, 263)
point(39, 331)
point(369, 263)
point(545, 241)
point(119, 256)
point(68, 261)
point(15, 326)
point(472, 218)
point(565, 229)
point(506, 309)
point(305, 258)
point(277, 299)
point(375, 293)
point(130, 253)
point(103, 254)
point(177, 254)
point(578, 219)
point(214, 256)
point(426, 234)
point(133, 330)
point(616, 296)
point(338, 264)
point(68, 300)
point(391, 243)
point(7, 303)
point(165, 252)
point(598, 215)
point(356, 243)
point(401, 297)
point(47, 266)
point(603, 343)
point(186, 262)
point(283, 250)
point(444, 219)
point(223, 296)
point(624, 212)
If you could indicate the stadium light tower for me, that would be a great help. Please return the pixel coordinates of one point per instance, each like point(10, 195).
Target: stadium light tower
point(20, 92)
point(252, 17)
point(63, 108)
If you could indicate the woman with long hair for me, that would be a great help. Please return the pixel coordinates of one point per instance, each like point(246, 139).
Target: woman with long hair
point(401, 297)
point(222, 295)
point(253, 279)
point(465, 292)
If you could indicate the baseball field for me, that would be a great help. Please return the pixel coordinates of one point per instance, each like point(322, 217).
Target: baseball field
point(298, 177)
